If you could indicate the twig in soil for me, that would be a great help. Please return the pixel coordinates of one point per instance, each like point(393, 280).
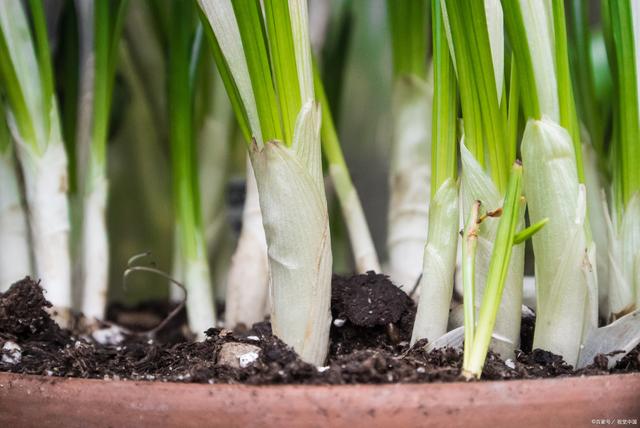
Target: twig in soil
point(174, 312)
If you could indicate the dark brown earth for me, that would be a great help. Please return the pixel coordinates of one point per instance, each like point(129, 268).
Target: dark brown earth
point(369, 344)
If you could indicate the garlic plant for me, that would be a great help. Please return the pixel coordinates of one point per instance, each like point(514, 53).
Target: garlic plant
point(439, 264)
point(624, 217)
point(273, 96)
point(566, 278)
point(104, 20)
point(478, 337)
point(564, 254)
point(410, 169)
point(488, 147)
point(15, 255)
point(189, 227)
point(27, 81)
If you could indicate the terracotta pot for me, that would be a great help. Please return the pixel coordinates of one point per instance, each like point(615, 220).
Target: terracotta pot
point(35, 401)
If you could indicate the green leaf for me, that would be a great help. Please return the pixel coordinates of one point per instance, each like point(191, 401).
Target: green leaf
point(44, 57)
point(249, 17)
point(408, 20)
point(497, 275)
point(527, 233)
point(568, 115)
point(626, 77)
point(283, 60)
point(444, 151)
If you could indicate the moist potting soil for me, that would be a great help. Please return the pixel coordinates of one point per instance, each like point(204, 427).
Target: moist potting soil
point(370, 334)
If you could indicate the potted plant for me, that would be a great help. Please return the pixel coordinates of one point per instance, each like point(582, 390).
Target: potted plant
point(334, 350)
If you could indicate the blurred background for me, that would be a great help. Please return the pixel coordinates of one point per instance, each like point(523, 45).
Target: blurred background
point(140, 212)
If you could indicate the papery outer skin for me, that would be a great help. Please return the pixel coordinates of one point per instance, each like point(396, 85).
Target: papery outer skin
point(296, 224)
point(537, 19)
point(436, 285)
point(248, 282)
point(562, 265)
point(596, 206)
point(200, 312)
point(624, 251)
point(452, 339)
point(95, 250)
point(15, 258)
point(621, 335)
point(364, 251)
point(477, 185)
point(223, 23)
point(410, 178)
point(45, 177)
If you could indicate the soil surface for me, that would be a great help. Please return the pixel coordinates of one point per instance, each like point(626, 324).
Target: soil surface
point(370, 335)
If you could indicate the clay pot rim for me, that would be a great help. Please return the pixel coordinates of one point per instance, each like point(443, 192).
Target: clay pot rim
point(40, 401)
point(13, 377)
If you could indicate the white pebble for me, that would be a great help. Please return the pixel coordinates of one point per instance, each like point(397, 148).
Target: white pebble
point(323, 369)
point(339, 322)
point(11, 353)
point(108, 336)
point(256, 338)
point(509, 363)
point(247, 359)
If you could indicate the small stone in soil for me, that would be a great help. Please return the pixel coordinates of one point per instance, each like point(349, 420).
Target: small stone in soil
point(237, 355)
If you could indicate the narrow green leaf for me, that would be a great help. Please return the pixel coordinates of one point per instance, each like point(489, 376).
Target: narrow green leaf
point(101, 97)
point(582, 68)
point(522, 57)
point(11, 85)
point(626, 76)
point(469, 26)
point(469, 97)
point(408, 20)
point(513, 114)
point(44, 57)
point(445, 106)
point(568, 115)
point(249, 17)
point(283, 60)
point(527, 233)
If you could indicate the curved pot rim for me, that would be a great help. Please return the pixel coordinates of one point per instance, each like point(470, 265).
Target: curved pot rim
point(567, 401)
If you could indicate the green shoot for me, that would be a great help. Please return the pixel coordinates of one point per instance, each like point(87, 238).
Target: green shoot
point(469, 245)
point(497, 275)
point(527, 233)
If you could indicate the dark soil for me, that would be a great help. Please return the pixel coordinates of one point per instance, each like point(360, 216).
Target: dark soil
point(369, 344)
